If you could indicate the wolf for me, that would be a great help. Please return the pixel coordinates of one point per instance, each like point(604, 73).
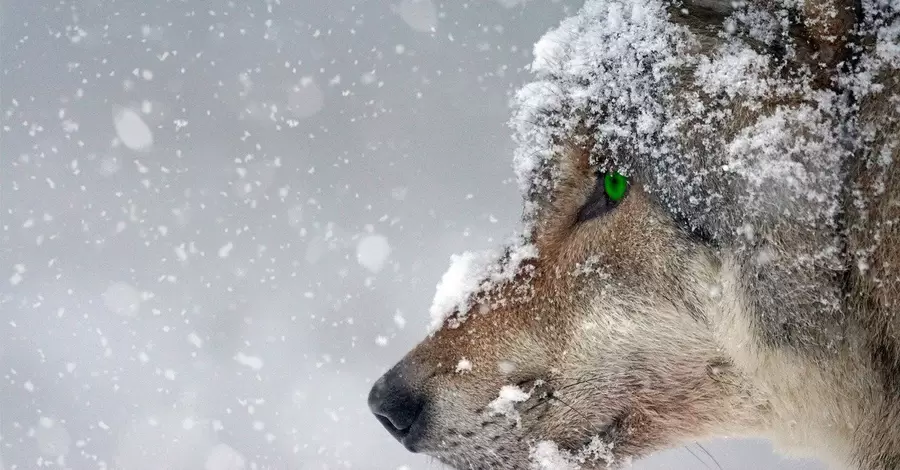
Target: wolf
point(710, 247)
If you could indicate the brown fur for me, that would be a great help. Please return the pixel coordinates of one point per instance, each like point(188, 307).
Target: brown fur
point(655, 325)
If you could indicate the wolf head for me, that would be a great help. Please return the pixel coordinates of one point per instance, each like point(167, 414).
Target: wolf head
point(613, 327)
point(596, 346)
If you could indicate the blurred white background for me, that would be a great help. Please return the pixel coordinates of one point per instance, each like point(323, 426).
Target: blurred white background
point(222, 220)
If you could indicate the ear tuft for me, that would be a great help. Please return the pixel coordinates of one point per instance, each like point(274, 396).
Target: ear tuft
point(828, 26)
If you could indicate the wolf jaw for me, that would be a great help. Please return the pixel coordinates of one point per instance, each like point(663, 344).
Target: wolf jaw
point(747, 284)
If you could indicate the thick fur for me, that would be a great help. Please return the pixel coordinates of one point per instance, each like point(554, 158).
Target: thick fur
point(663, 322)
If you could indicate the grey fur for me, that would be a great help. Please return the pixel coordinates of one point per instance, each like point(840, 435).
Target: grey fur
point(714, 299)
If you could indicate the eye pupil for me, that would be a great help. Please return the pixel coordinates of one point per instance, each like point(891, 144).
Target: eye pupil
point(615, 185)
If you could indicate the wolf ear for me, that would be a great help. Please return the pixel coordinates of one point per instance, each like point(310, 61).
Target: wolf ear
point(828, 26)
point(820, 31)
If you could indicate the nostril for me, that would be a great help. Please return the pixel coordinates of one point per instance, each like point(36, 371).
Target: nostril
point(395, 404)
point(391, 426)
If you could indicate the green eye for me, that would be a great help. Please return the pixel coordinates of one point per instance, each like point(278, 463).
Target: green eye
point(615, 185)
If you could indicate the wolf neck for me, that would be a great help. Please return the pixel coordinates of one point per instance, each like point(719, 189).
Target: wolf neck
point(810, 403)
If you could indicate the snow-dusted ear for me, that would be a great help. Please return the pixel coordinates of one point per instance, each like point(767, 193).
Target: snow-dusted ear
point(828, 26)
point(818, 35)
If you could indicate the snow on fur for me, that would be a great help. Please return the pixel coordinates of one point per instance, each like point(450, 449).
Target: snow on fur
point(622, 69)
point(600, 54)
point(598, 58)
point(546, 455)
point(505, 403)
point(663, 114)
point(464, 365)
point(471, 273)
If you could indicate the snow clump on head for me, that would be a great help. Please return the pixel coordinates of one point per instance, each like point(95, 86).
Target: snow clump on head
point(659, 109)
point(594, 67)
point(471, 273)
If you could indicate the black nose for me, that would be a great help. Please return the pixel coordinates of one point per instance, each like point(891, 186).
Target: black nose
point(397, 405)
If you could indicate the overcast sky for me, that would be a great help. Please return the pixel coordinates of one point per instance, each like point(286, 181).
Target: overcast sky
point(222, 220)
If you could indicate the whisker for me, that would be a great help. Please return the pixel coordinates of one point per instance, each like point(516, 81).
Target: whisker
point(709, 455)
point(553, 397)
point(697, 457)
point(575, 384)
point(587, 381)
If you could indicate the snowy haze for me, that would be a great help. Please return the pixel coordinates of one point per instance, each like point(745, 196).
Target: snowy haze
point(221, 221)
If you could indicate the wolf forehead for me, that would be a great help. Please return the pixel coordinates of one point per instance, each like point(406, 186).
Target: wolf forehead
point(705, 126)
